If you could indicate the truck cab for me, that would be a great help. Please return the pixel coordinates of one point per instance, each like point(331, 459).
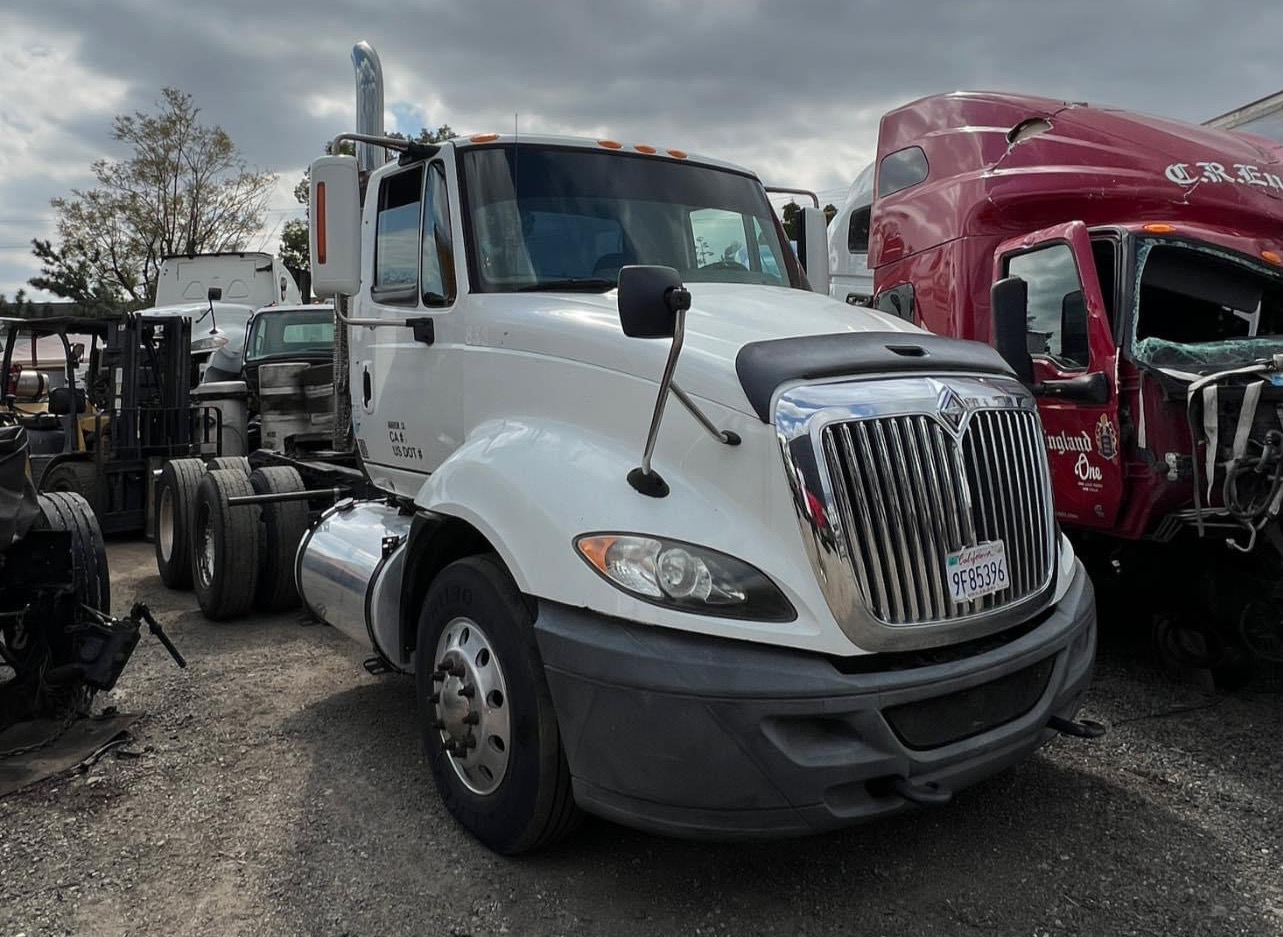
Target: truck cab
point(663, 534)
point(1152, 265)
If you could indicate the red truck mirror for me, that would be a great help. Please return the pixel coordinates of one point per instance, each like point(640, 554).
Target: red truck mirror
point(1009, 301)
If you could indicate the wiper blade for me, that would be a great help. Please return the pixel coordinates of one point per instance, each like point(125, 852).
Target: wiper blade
point(587, 284)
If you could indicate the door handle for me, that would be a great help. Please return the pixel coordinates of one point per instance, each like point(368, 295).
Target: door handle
point(367, 387)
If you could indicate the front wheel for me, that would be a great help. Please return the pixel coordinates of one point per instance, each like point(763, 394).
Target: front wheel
point(489, 728)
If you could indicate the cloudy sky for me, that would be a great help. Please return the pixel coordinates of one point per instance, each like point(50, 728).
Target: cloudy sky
point(791, 89)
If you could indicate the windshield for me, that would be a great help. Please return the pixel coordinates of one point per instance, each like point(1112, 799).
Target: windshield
point(550, 218)
point(293, 334)
point(1201, 309)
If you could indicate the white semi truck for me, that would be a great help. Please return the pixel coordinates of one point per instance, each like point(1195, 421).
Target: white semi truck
point(822, 584)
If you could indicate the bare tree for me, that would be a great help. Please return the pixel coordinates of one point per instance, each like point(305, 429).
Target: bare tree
point(183, 189)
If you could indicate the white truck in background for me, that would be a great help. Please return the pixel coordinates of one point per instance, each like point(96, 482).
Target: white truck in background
point(219, 293)
point(850, 279)
point(663, 536)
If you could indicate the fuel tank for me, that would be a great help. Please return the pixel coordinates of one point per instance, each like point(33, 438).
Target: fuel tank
point(348, 570)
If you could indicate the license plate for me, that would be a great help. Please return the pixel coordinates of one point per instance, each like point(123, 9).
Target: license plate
point(976, 571)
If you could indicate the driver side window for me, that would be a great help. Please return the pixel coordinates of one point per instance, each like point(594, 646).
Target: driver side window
point(1057, 314)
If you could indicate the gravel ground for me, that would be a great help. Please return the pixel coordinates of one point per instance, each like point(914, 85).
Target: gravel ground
point(275, 787)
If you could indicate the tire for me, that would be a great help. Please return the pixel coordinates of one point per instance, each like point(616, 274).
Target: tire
point(282, 527)
point(526, 802)
point(175, 495)
point(74, 475)
point(64, 510)
point(238, 462)
point(224, 545)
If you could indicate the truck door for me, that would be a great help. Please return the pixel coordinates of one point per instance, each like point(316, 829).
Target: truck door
point(404, 386)
point(1071, 344)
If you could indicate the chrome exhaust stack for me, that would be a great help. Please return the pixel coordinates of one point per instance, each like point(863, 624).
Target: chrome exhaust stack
point(369, 104)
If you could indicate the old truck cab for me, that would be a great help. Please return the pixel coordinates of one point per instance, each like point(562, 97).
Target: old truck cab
point(663, 534)
point(1149, 261)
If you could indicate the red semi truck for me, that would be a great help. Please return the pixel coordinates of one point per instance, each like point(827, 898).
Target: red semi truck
point(1131, 267)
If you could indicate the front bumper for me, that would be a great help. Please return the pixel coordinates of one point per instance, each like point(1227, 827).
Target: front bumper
point(697, 736)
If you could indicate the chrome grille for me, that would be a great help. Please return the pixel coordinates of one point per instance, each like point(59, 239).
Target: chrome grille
point(907, 493)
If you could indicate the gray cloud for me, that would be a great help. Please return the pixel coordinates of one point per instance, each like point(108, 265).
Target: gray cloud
point(792, 90)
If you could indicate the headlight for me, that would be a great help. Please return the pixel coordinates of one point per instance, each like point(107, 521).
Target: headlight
point(684, 576)
point(209, 343)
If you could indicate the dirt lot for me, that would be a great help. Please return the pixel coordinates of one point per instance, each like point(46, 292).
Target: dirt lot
point(275, 787)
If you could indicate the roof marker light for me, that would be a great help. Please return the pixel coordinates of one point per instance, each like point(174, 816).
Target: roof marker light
point(1159, 228)
point(483, 138)
point(1273, 257)
point(645, 148)
point(677, 154)
point(610, 144)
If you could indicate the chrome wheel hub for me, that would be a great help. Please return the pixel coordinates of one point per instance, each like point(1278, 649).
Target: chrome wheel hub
point(470, 706)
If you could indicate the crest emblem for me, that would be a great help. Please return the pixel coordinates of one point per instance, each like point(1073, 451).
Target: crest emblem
point(951, 409)
point(1106, 438)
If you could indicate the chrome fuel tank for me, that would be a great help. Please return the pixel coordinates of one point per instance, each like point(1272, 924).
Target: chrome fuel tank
point(348, 571)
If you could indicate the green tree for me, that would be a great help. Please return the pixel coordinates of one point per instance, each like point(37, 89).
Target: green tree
point(294, 249)
point(182, 188)
point(791, 215)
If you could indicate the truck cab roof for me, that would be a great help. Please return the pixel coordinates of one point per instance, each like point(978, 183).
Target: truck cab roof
point(590, 143)
point(971, 162)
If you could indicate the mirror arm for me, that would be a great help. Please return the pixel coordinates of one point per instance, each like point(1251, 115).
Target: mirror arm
point(724, 436)
point(665, 382)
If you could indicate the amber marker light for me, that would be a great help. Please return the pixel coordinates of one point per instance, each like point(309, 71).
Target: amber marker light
point(483, 138)
point(320, 222)
point(646, 148)
point(677, 154)
point(594, 550)
point(610, 144)
point(1159, 228)
point(1273, 257)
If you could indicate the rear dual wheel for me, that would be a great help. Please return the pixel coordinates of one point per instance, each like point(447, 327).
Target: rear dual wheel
point(175, 495)
point(225, 545)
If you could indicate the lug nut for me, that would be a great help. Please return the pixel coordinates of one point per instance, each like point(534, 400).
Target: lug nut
point(440, 674)
point(469, 742)
point(471, 719)
point(468, 692)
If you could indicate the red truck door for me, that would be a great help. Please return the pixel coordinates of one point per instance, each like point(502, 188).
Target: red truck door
point(1075, 360)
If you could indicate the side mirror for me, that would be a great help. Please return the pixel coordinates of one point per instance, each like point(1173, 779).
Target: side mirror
point(650, 299)
point(335, 221)
point(1073, 329)
point(1009, 301)
point(813, 248)
point(214, 294)
point(653, 304)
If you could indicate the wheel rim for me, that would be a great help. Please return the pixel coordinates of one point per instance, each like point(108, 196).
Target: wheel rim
point(165, 524)
point(470, 706)
point(205, 562)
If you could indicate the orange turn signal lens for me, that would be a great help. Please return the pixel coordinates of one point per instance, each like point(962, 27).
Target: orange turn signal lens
point(594, 550)
point(645, 148)
point(1273, 257)
point(610, 144)
point(677, 154)
point(320, 222)
point(1159, 228)
point(483, 138)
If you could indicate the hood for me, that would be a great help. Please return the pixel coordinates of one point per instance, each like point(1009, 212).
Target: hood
point(723, 318)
